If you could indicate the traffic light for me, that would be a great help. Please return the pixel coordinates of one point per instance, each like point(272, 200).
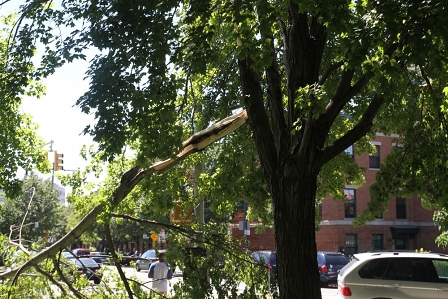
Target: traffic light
point(58, 161)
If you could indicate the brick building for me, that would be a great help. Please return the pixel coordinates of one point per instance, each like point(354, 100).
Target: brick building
point(255, 241)
point(405, 226)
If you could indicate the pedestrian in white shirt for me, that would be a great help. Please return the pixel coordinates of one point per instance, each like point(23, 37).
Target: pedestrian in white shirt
point(160, 273)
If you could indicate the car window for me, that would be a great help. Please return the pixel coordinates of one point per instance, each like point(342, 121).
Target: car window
point(374, 269)
point(259, 256)
point(410, 269)
point(397, 272)
point(86, 262)
point(81, 252)
point(336, 259)
point(149, 254)
point(256, 256)
point(320, 259)
point(441, 267)
point(421, 270)
point(68, 255)
point(265, 257)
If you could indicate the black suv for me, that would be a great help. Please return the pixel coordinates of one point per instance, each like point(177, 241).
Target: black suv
point(328, 265)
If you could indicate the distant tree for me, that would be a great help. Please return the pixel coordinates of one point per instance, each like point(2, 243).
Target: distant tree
point(38, 203)
point(22, 149)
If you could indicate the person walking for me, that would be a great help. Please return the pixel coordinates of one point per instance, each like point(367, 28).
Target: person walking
point(160, 273)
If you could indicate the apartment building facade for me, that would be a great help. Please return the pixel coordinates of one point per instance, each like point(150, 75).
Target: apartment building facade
point(406, 225)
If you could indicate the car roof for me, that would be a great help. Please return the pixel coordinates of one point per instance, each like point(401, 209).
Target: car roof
point(408, 254)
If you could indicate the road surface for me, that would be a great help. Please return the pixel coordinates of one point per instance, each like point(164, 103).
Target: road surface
point(327, 293)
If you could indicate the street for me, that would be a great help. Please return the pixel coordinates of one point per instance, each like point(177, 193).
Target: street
point(327, 293)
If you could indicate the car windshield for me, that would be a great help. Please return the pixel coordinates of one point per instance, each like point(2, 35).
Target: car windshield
point(149, 254)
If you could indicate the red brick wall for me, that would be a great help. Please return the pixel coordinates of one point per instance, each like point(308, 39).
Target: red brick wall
point(334, 228)
point(257, 241)
point(331, 236)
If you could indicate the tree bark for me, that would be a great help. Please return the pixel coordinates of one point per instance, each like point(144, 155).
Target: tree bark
point(294, 215)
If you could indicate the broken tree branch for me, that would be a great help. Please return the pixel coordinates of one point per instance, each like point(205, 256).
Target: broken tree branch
point(129, 180)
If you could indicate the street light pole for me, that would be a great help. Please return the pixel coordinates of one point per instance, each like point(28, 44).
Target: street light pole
point(52, 162)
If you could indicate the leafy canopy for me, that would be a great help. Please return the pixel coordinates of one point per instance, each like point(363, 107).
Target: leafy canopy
point(315, 76)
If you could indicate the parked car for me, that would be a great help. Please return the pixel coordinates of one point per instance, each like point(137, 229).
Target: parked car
point(81, 252)
point(68, 254)
point(395, 275)
point(89, 268)
point(268, 257)
point(101, 260)
point(146, 259)
point(125, 259)
point(328, 265)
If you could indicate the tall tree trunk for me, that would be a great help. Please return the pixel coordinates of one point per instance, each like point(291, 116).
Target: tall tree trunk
point(292, 179)
point(293, 195)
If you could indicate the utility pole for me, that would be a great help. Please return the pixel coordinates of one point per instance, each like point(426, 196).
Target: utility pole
point(51, 160)
point(199, 209)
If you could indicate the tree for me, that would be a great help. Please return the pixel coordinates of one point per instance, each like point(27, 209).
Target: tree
point(22, 149)
point(38, 203)
point(315, 77)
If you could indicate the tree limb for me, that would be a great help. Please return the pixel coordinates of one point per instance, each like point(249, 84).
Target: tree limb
point(329, 70)
point(129, 180)
point(110, 244)
point(361, 129)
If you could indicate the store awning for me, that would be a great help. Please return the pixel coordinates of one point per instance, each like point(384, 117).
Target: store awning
point(404, 229)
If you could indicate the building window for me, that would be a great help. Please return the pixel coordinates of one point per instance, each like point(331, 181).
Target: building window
point(349, 151)
point(374, 159)
point(377, 242)
point(400, 205)
point(350, 203)
point(351, 244)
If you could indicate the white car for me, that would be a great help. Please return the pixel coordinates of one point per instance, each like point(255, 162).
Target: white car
point(146, 259)
point(394, 275)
